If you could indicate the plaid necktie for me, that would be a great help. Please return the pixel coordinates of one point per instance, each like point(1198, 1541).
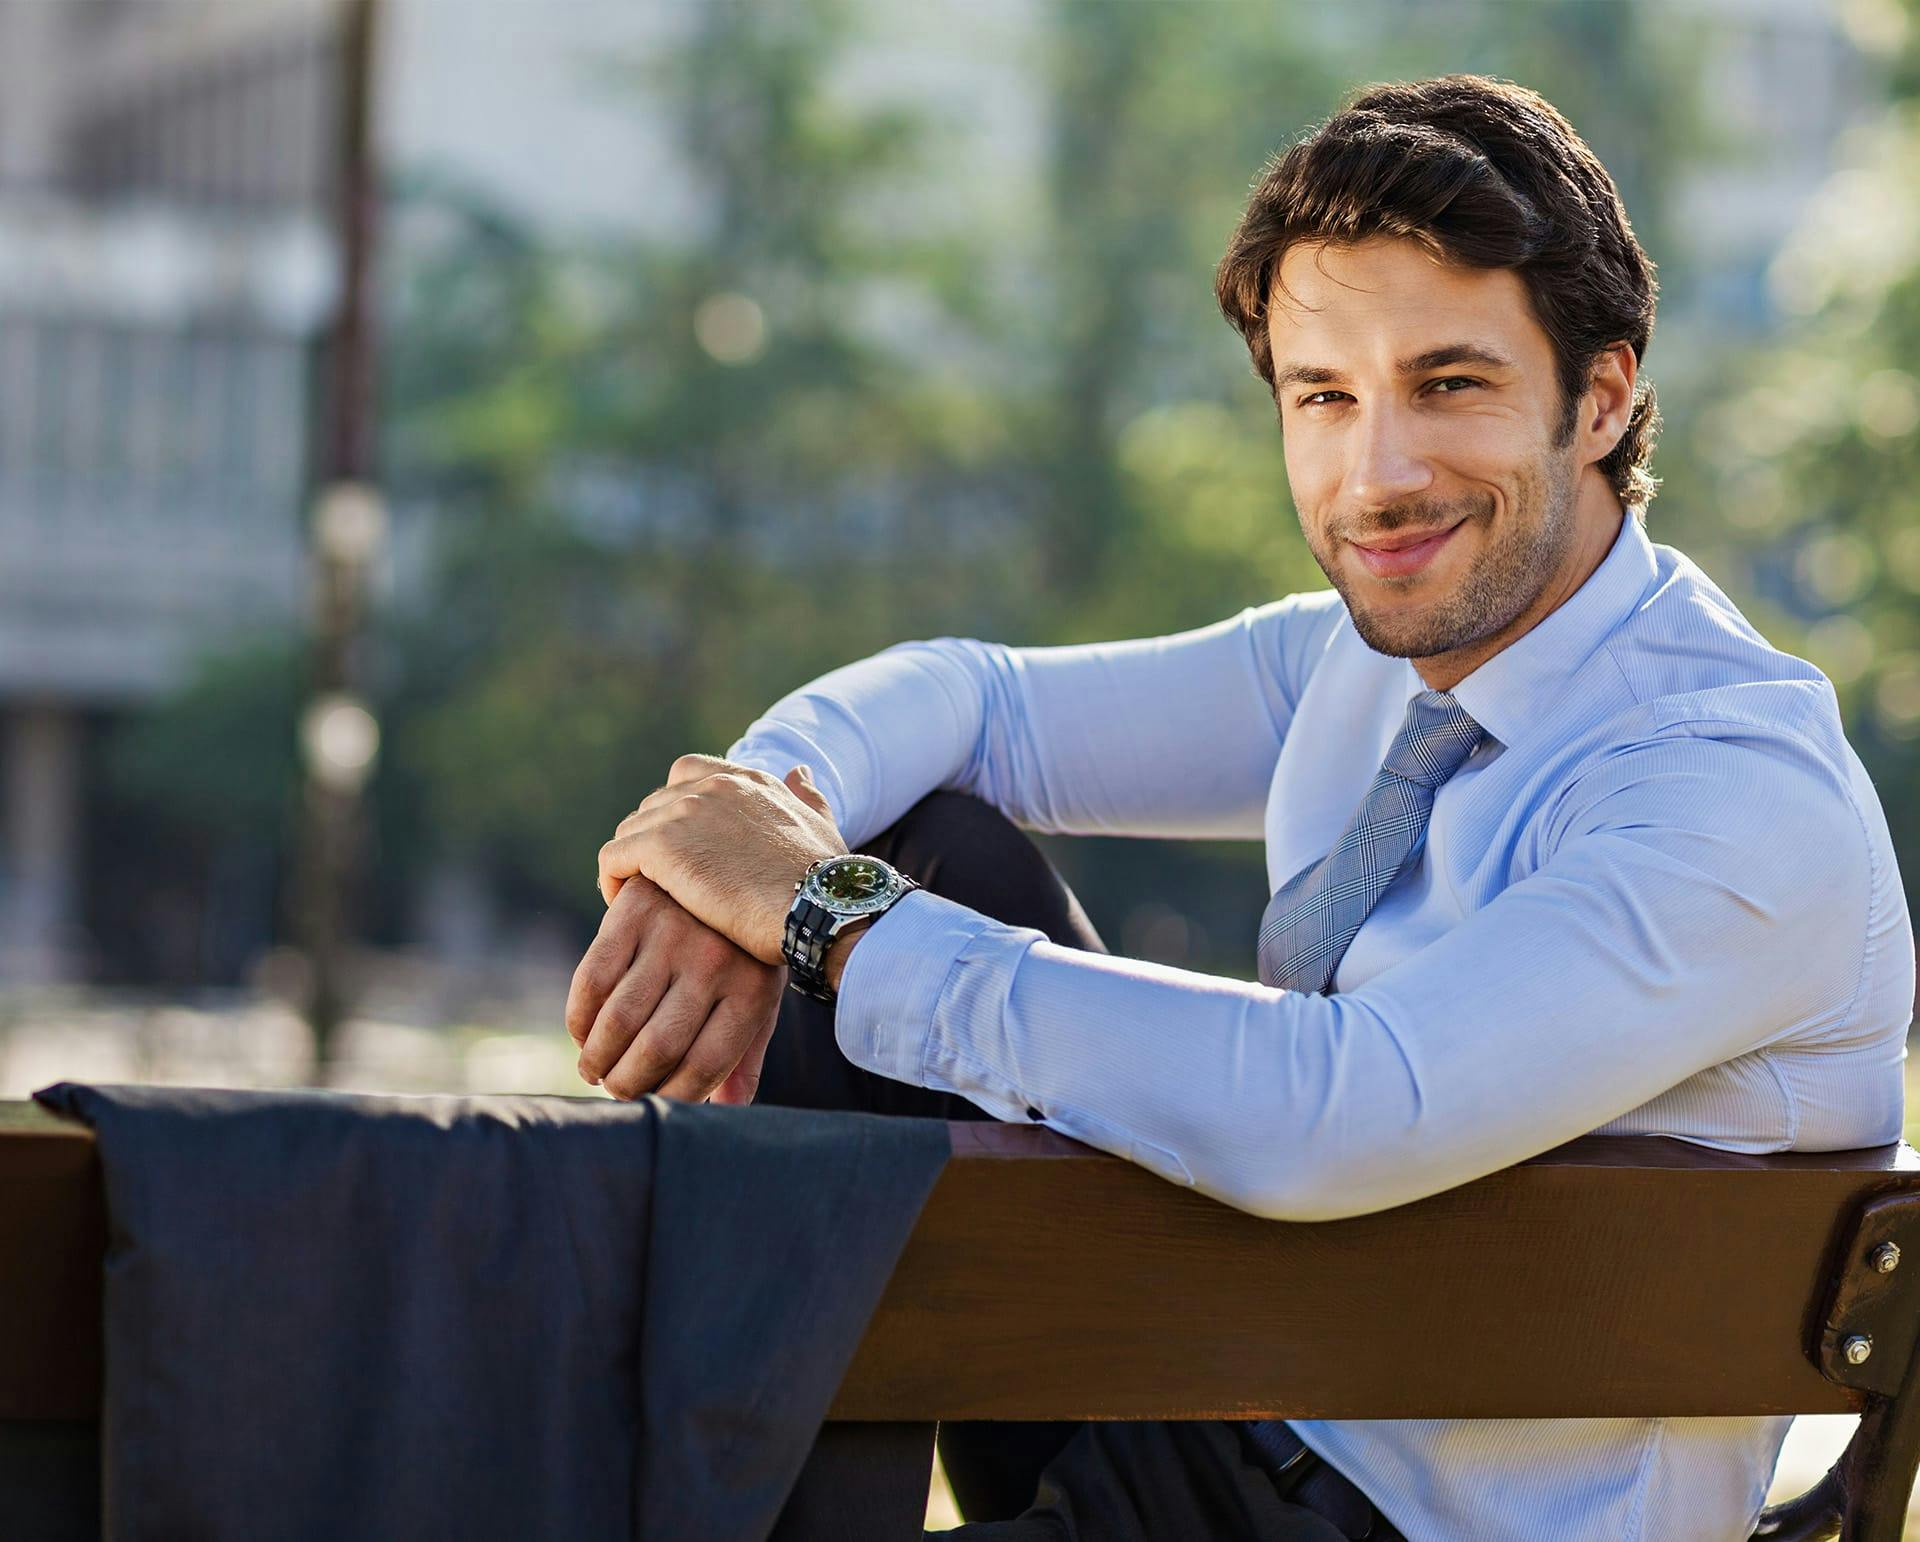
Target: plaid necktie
point(1315, 914)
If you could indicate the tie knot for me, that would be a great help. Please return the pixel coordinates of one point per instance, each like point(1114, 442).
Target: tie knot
point(1436, 737)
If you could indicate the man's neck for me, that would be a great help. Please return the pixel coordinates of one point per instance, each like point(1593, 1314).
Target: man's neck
point(1597, 522)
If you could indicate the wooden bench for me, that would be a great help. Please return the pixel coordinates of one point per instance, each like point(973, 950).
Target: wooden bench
point(1046, 1280)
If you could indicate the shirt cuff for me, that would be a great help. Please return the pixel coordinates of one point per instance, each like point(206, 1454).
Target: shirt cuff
point(891, 987)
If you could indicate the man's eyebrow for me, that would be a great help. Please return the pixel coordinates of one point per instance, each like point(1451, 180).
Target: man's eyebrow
point(1419, 363)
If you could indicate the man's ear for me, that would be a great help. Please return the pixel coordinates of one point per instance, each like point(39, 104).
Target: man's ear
point(1608, 406)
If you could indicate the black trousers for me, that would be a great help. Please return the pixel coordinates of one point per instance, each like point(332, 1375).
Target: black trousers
point(1093, 1481)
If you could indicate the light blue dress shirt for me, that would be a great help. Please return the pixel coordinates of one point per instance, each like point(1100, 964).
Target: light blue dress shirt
point(1660, 898)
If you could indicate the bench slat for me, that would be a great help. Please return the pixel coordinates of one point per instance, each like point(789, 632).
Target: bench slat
point(1046, 1280)
point(1610, 1277)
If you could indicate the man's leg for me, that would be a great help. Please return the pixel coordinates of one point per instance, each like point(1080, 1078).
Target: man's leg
point(1150, 1479)
point(1070, 1481)
point(963, 849)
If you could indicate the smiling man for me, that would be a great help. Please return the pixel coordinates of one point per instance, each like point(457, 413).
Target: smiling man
point(1556, 842)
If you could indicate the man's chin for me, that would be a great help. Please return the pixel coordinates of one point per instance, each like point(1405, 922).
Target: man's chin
point(1396, 645)
point(1408, 635)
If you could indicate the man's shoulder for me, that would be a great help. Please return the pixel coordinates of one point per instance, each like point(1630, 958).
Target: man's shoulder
point(1686, 710)
point(1688, 657)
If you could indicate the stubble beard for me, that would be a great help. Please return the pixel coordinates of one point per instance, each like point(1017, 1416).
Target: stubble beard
point(1505, 578)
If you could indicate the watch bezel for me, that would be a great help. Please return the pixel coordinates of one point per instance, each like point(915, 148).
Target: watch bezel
point(851, 909)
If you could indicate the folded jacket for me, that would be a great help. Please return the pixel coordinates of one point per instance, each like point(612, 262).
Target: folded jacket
point(334, 1315)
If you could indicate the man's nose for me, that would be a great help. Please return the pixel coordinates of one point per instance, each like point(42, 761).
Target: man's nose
point(1386, 459)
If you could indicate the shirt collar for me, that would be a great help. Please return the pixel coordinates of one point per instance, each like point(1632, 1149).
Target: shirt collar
point(1512, 691)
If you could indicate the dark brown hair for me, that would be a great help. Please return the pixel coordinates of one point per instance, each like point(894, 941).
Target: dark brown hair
point(1482, 173)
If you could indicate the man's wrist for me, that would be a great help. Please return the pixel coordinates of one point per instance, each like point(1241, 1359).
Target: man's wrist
point(835, 962)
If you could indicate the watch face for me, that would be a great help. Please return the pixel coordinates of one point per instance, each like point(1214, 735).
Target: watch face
point(850, 885)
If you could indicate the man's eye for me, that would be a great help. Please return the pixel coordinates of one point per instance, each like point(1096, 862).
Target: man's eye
point(1319, 398)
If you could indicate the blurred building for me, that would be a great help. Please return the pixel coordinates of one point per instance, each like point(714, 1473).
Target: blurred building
point(164, 268)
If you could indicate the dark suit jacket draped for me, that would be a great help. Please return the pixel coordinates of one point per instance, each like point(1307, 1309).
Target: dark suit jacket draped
point(333, 1316)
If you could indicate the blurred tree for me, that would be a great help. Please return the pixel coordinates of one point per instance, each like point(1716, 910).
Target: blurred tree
point(1810, 470)
point(195, 807)
point(1162, 490)
point(678, 475)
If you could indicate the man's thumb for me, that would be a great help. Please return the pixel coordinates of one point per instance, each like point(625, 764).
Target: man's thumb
point(800, 778)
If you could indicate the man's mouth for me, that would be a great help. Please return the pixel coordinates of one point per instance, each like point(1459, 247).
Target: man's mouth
point(1395, 554)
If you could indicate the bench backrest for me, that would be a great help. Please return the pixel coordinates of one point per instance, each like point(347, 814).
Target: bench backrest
point(1046, 1280)
point(1609, 1277)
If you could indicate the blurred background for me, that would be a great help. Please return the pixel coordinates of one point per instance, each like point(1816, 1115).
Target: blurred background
point(421, 420)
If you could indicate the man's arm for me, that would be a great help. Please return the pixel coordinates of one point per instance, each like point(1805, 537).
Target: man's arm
point(1701, 898)
point(1156, 736)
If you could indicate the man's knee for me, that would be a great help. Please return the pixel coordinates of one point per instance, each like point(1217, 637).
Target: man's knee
point(964, 849)
point(955, 836)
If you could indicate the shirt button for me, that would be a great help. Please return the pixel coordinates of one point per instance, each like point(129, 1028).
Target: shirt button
point(1034, 1113)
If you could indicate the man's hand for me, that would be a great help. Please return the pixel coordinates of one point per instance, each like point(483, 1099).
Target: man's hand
point(729, 843)
point(663, 1003)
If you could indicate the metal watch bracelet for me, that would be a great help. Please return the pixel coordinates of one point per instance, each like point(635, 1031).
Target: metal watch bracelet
point(807, 940)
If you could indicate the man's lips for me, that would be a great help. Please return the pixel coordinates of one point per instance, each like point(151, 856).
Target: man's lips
point(1402, 552)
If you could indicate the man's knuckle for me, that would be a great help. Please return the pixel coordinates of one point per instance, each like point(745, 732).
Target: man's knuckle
point(709, 952)
point(708, 1068)
point(636, 1073)
point(599, 965)
point(619, 1022)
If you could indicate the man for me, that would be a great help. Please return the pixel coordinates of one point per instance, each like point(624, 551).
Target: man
point(1558, 842)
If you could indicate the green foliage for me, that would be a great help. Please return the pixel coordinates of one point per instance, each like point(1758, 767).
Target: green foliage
point(1809, 470)
point(223, 754)
point(650, 462)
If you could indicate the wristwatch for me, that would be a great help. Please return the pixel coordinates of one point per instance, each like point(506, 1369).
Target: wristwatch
point(831, 893)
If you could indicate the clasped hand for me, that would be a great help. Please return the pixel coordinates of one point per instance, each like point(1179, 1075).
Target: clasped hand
point(679, 992)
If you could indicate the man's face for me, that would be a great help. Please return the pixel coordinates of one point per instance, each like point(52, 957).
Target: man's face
point(1420, 406)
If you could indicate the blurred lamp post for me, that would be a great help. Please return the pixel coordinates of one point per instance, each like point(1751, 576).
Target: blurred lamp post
point(339, 741)
point(339, 737)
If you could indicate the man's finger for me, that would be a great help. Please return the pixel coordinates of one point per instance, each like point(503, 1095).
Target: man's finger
point(620, 1020)
point(604, 964)
point(618, 861)
point(715, 1052)
point(800, 782)
point(619, 858)
point(691, 767)
point(652, 800)
point(662, 1043)
point(741, 1086)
